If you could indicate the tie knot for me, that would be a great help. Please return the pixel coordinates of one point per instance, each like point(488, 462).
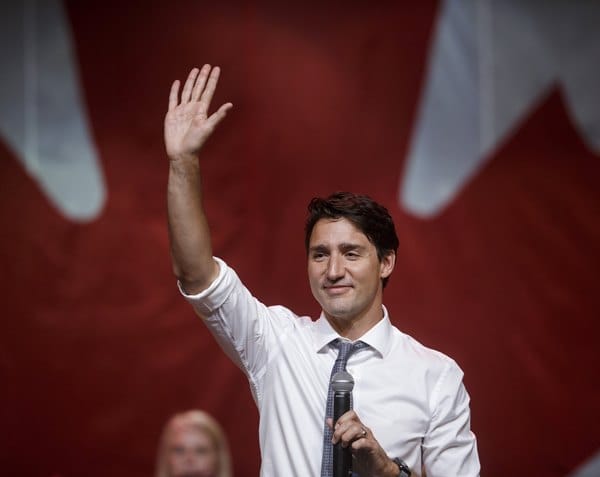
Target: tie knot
point(346, 348)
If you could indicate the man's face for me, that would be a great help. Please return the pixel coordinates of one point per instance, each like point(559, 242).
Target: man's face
point(345, 273)
point(191, 453)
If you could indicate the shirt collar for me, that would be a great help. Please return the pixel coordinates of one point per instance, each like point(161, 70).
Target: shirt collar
point(379, 337)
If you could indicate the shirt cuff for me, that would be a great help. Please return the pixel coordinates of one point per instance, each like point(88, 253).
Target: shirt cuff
point(212, 297)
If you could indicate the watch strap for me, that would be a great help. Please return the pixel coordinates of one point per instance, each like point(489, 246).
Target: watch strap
point(404, 469)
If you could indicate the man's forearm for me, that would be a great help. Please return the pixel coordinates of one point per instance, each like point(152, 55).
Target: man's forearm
point(191, 250)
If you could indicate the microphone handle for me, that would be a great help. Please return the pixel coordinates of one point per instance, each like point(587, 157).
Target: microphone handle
point(342, 457)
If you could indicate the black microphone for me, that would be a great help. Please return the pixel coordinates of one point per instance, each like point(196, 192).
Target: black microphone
point(342, 384)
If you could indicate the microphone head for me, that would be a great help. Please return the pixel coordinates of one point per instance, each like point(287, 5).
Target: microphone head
point(342, 382)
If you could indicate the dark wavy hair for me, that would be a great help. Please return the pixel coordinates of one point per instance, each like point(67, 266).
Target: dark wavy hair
point(371, 218)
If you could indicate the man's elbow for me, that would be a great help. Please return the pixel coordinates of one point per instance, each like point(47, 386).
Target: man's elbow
point(194, 282)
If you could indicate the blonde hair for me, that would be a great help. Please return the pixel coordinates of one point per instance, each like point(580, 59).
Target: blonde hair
point(202, 422)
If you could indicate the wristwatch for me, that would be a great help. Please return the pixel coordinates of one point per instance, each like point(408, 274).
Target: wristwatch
point(404, 469)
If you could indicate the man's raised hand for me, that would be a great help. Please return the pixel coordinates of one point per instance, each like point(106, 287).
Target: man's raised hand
point(187, 124)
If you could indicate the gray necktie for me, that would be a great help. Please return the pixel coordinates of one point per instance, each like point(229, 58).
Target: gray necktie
point(345, 348)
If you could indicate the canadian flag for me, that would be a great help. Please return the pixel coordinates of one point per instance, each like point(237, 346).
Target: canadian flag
point(476, 123)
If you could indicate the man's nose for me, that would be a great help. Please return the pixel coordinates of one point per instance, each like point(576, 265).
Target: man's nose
point(335, 268)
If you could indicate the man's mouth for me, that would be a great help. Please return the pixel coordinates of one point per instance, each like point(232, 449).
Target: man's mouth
point(336, 289)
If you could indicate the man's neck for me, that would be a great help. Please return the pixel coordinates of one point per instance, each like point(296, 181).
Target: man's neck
point(353, 329)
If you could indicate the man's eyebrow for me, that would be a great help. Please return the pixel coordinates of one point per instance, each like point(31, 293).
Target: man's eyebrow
point(347, 246)
point(344, 247)
point(318, 248)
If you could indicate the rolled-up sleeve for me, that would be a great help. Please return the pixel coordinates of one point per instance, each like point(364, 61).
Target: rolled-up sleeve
point(214, 296)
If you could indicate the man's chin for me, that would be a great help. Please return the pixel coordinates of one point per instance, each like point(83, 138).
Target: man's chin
point(339, 314)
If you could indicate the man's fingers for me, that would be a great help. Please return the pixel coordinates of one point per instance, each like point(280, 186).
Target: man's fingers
point(358, 444)
point(350, 434)
point(209, 90)
point(173, 95)
point(189, 84)
point(200, 82)
point(218, 115)
point(348, 431)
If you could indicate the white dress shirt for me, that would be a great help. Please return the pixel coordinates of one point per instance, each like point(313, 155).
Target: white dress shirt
point(411, 397)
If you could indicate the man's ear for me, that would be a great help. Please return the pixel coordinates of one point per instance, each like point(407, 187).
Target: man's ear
point(387, 264)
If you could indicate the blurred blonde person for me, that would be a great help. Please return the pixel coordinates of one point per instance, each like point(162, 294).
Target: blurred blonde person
point(193, 445)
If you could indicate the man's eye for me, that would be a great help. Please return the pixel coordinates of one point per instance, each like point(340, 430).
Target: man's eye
point(352, 255)
point(318, 256)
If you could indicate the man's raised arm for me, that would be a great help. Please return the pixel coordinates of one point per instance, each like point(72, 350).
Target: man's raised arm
point(187, 127)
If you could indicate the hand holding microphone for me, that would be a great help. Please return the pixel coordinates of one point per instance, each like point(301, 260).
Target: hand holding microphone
point(351, 436)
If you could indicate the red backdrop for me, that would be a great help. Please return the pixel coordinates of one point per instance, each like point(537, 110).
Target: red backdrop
point(97, 347)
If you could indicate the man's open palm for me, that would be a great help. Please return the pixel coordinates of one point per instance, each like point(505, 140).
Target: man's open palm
point(187, 124)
